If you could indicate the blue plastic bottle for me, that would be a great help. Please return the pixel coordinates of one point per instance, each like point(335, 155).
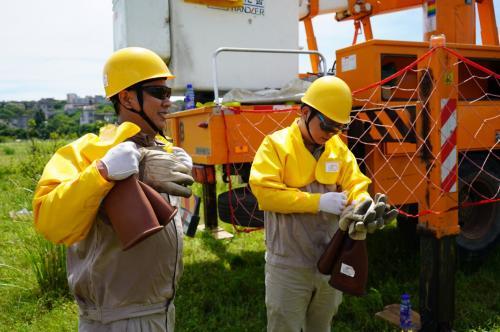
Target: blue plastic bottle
point(189, 102)
point(405, 313)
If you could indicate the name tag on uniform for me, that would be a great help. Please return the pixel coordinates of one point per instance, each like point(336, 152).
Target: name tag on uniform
point(331, 167)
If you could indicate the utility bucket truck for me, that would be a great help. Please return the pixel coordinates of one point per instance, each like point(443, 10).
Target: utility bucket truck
point(425, 125)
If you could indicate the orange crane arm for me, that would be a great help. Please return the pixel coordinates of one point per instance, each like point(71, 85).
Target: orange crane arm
point(489, 30)
point(387, 6)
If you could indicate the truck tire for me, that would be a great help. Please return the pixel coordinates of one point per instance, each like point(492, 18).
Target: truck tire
point(480, 225)
point(245, 207)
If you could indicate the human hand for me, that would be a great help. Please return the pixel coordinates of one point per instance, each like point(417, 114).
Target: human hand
point(333, 202)
point(165, 173)
point(121, 161)
point(182, 155)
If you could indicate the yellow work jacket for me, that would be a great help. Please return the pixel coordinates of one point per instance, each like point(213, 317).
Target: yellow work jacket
point(71, 188)
point(283, 164)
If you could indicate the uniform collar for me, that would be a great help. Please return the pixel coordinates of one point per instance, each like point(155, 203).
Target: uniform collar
point(144, 140)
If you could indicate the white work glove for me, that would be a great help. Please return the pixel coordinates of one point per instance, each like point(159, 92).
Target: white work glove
point(182, 155)
point(333, 202)
point(165, 173)
point(122, 161)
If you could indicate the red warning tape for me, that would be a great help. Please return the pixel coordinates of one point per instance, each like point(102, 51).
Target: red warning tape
point(463, 205)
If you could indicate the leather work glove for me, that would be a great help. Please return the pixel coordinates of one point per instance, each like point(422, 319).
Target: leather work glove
point(333, 202)
point(362, 216)
point(347, 217)
point(164, 172)
point(384, 213)
point(182, 155)
point(122, 161)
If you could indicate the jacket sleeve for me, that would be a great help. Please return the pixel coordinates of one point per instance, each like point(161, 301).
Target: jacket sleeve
point(167, 141)
point(352, 180)
point(68, 196)
point(266, 181)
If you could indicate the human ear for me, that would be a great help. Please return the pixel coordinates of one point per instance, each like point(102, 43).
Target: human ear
point(304, 112)
point(125, 98)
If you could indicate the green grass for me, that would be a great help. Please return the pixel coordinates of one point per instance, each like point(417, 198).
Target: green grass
point(222, 287)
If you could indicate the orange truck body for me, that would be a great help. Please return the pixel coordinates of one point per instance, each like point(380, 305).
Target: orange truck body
point(222, 135)
point(371, 57)
point(209, 137)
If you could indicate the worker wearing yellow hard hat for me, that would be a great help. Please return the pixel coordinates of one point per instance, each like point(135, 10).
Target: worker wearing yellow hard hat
point(303, 177)
point(119, 290)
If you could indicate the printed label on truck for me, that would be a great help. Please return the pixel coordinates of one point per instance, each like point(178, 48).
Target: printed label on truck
point(251, 7)
point(349, 62)
point(204, 151)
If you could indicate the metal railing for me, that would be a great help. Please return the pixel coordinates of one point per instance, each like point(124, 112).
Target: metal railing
point(257, 50)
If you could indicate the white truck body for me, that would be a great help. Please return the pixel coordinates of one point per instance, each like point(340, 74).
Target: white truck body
point(186, 35)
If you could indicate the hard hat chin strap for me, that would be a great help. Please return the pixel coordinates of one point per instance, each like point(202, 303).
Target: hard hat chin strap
point(142, 114)
point(308, 120)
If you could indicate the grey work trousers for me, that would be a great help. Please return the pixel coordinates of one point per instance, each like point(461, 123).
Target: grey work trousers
point(299, 299)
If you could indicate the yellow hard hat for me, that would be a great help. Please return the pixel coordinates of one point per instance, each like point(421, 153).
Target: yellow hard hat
point(331, 96)
point(132, 65)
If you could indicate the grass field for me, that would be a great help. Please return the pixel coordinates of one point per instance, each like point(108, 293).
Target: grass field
point(222, 288)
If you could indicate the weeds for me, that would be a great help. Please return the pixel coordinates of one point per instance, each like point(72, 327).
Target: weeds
point(7, 150)
point(48, 262)
point(38, 155)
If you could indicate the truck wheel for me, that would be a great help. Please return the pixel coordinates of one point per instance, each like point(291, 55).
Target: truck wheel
point(480, 225)
point(245, 208)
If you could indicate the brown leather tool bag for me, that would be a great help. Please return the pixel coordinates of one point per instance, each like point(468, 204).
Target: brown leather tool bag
point(136, 211)
point(350, 271)
point(330, 255)
point(161, 206)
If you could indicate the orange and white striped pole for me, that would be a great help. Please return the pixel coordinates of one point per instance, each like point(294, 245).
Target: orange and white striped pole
point(449, 145)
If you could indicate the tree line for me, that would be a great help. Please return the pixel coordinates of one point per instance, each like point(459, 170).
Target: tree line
point(60, 124)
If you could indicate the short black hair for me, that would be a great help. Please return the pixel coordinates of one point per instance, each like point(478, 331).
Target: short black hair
point(116, 103)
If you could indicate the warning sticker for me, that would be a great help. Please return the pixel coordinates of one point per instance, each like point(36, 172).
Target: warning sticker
point(349, 62)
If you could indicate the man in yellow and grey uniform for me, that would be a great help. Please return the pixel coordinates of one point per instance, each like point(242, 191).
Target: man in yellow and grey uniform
point(303, 177)
point(117, 290)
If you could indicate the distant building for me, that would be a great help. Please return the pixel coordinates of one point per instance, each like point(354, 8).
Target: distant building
point(101, 100)
point(47, 106)
point(89, 115)
point(20, 122)
point(71, 98)
point(75, 103)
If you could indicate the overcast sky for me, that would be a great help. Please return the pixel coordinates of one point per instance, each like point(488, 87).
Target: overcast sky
point(53, 47)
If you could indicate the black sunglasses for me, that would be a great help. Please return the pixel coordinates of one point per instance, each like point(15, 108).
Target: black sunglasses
point(161, 92)
point(330, 128)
